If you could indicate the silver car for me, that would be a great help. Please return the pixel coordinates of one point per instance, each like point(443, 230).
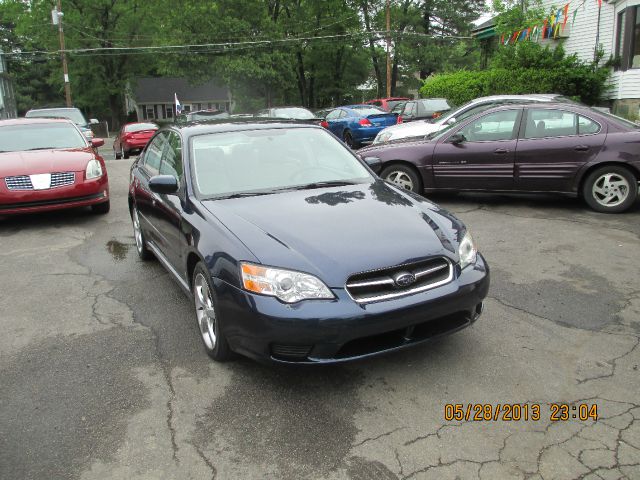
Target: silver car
point(420, 128)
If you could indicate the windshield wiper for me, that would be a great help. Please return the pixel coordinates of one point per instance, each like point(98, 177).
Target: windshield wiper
point(40, 148)
point(239, 195)
point(330, 183)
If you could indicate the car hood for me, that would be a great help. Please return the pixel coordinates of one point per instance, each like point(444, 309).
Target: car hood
point(338, 231)
point(43, 161)
point(413, 129)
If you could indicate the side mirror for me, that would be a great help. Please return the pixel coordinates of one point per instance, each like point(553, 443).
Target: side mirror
point(163, 184)
point(457, 138)
point(93, 121)
point(374, 163)
point(97, 142)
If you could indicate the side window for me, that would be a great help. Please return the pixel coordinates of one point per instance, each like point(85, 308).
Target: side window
point(587, 126)
point(398, 108)
point(492, 127)
point(332, 115)
point(343, 114)
point(409, 109)
point(153, 154)
point(172, 157)
point(543, 123)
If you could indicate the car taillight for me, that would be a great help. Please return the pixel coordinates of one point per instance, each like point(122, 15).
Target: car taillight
point(365, 122)
point(399, 119)
point(324, 124)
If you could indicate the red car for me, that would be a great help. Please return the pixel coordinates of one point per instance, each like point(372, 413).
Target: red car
point(48, 164)
point(133, 137)
point(387, 104)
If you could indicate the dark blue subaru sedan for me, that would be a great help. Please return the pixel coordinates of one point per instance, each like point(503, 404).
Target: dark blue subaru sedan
point(293, 250)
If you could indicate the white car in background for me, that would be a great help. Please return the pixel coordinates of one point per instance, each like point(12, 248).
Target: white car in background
point(420, 128)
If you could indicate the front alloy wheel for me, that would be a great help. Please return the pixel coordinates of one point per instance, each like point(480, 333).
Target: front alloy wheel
point(610, 189)
point(206, 315)
point(403, 177)
point(141, 244)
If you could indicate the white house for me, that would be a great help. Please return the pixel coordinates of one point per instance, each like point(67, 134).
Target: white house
point(615, 27)
point(152, 98)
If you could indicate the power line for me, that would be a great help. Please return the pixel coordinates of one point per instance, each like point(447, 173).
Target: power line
point(379, 34)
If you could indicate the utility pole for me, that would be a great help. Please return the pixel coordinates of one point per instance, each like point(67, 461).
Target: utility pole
point(388, 48)
point(56, 16)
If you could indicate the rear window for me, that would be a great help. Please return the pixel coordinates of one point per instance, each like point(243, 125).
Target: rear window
point(72, 114)
point(138, 127)
point(43, 136)
point(295, 113)
point(623, 122)
point(367, 110)
point(436, 105)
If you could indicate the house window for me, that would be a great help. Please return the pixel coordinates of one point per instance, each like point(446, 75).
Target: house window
point(628, 38)
point(168, 111)
point(150, 114)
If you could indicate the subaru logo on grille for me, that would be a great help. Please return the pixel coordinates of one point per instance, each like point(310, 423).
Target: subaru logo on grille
point(404, 279)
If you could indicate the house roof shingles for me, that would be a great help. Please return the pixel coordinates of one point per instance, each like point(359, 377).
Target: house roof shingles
point(162, 89)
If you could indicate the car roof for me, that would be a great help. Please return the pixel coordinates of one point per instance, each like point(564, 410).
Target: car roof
point(38, 120)
point(533, 96)
point(549, 105)
point(52, 108)
point(236, 125)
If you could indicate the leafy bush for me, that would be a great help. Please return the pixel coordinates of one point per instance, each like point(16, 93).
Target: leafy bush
point(522, 69)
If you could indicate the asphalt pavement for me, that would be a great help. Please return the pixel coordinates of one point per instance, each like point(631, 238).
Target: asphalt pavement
point(103, 376)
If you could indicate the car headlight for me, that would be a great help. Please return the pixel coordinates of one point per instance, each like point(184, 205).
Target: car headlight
point(286, 285)
point(94, 169)
point(467, 250)
point(382, 137)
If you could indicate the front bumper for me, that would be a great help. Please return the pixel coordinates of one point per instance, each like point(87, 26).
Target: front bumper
point(80, 194)
point(330, 331)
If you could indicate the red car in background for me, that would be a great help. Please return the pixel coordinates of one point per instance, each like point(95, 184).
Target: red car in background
point(387, 104)
point(48, 164)
point(133, 137)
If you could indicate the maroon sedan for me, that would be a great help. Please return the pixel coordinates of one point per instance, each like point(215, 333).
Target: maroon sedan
point(133, 137)
point(48, 164)
point(555, 147)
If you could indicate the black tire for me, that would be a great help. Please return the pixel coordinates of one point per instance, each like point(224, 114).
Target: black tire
point(349, 141)
point(215, 345)
point(610, 189)
point(116, 154)
point(124, 153)
point(403, 177)
point(138, 234)
point(101, 208)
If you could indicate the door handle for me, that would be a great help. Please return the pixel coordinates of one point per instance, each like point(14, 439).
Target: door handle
point(581, 148)
point(500, 151)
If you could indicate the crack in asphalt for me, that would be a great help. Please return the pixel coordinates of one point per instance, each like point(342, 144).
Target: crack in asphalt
point(612, 363)
point(212, 468)
point(371, 439)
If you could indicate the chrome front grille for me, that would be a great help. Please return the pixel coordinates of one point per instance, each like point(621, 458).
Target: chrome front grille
point(22, 182)
point(401, 280)
point(60, 179)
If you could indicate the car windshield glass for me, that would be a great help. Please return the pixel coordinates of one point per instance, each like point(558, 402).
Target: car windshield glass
point(72, 114)
point(365, 111)
point(436, 105)
point(618, 120)
point(34, 136)
point(138, 127)
point(265, 161)
point(296, 113)
point(208, 115)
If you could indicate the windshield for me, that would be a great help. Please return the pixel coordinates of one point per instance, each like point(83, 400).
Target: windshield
point(33, 136)
point(295, 113)
point(72, 114)
point(195, 116)
point(264, 161)
point(393, 103)
point(138, 127)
